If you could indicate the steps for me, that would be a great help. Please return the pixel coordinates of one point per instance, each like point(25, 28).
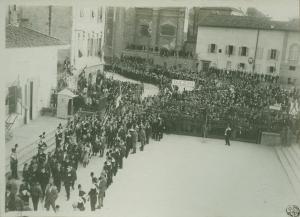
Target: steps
point(289, 158)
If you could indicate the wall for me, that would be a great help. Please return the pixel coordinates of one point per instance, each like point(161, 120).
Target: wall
point(39, 67)
point(239, 37)
point(292, 38)
point(87, 25)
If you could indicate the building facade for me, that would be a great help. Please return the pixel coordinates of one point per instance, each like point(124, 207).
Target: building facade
point(250, 44)
point(88, 38)
point(30, 79)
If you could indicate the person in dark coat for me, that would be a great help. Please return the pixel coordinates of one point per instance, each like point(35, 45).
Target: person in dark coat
point(128, 143)
point(14, 163)
point(93, 195)
point(57, 174)
point(227, 135)
point(68, 180)
point(36, 195)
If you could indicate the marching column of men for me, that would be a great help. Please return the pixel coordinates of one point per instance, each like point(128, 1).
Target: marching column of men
point(84, 137)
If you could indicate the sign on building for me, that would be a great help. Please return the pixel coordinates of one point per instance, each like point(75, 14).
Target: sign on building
point(184, 84)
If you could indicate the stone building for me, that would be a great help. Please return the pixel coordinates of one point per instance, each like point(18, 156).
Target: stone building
point(31, 74)
point(250, 44)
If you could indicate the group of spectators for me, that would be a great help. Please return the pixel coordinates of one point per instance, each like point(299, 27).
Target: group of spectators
point(164, 52)
point(240, 98)
point(126, 127)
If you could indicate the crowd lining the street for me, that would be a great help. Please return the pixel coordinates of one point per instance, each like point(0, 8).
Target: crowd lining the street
point(241, 99)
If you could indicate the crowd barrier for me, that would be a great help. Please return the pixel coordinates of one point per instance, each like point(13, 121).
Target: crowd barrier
point(212, 129)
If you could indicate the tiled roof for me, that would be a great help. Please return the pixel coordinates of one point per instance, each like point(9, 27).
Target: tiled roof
point(17, 37)
point(247, 22)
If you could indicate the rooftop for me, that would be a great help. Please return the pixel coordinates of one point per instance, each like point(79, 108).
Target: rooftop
point(247, 22)
point(21, 37)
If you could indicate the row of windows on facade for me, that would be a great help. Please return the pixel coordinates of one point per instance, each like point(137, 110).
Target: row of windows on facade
point(270, 69)
point(273, 54)
point(93, 47)
point(93, 14)
point(243, 66)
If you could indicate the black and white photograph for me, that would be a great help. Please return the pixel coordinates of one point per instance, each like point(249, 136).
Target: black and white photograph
point(166, 108)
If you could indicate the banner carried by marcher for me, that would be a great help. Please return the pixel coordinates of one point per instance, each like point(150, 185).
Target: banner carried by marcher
point(276, 107)
point(183, 84)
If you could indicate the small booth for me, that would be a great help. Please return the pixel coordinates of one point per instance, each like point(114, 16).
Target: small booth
point(65, 103)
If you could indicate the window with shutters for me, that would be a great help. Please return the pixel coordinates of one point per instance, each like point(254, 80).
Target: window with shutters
point(243, 51)
point(212, 48)
point(272, 69)
point(229, 49)
point(273, 54)
point(294, 53)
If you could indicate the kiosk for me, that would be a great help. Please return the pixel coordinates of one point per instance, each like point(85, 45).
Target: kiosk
point(65, 103)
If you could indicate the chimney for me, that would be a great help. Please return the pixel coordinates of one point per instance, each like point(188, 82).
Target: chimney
point(14, 17)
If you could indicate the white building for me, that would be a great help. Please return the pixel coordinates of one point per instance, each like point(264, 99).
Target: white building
point(250, 44)
point(87, 38)
point(31, 74)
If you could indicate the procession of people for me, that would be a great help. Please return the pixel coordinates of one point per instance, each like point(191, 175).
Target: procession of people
point(125, 128)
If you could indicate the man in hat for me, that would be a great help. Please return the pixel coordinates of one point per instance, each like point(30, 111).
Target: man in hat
point(68, 180)
point(14, 162)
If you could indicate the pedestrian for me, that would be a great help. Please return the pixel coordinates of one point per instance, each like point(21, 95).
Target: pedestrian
point(102, 189)
point(93, 194)
point(36, 195)
point(68, 180)
point(51, 195)
point(227, 135)
point(14, 163)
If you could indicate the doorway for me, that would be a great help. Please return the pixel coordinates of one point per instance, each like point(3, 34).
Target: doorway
point(70, 107)
point(205, 65)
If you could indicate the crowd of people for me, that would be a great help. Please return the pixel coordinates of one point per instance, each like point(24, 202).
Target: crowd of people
point(164, 52)
point(240, 98)
point(126, 127)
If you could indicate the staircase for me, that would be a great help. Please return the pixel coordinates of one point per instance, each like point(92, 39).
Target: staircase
point(289, 157)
